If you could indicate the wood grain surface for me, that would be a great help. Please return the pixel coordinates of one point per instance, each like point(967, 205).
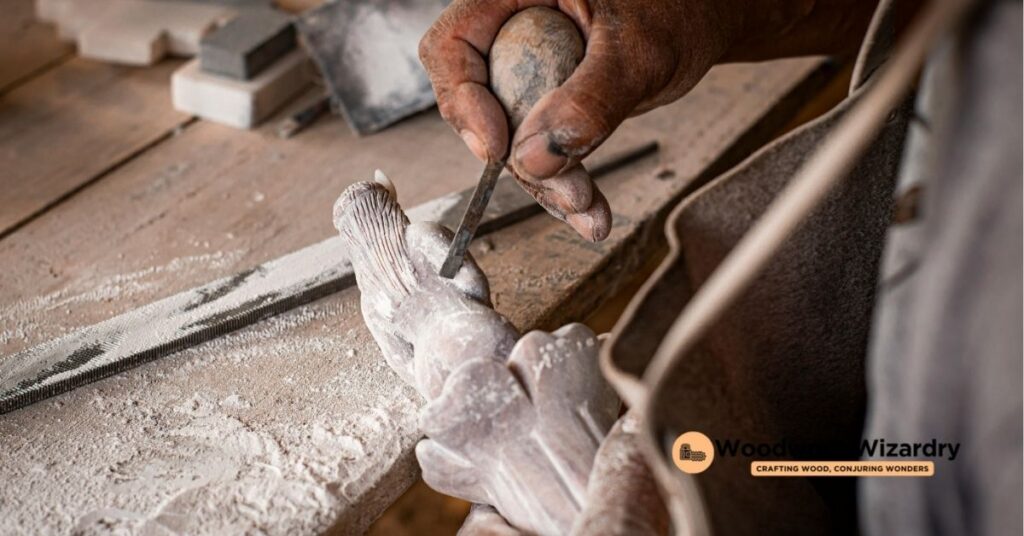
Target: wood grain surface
point(74, 123)
point(27, 47)
point(207, 203)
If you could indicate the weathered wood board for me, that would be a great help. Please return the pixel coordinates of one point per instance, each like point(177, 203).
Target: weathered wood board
point(259, 431)
point(72, 124)
point(201, 313)
point(27, 46)
point(209, 203)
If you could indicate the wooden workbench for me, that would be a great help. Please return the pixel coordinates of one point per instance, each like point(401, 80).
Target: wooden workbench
point(109, 199)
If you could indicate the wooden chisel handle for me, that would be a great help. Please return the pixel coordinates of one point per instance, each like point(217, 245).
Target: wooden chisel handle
point(534, 52)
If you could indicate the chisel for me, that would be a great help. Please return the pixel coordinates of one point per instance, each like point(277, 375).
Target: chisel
point(527, 60)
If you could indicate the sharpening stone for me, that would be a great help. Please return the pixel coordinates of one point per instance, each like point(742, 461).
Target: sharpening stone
point(238, 103)
point(247, 44)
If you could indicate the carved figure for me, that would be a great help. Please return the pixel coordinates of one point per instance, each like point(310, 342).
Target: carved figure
point(513, 422)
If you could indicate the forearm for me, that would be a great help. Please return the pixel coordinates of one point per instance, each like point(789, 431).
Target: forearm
point(769, 29)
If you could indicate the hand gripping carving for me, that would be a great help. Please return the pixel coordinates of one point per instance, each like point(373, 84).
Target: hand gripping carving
point(511, 422)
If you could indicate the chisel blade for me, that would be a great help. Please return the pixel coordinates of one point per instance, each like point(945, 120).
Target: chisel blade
point(471, 219)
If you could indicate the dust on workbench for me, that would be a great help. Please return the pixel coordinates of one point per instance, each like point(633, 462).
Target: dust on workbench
point(221, 432)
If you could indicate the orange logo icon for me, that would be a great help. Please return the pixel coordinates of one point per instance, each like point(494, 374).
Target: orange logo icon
point(693, 452)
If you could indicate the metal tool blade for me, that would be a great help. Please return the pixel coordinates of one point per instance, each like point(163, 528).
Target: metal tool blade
point(471, 219)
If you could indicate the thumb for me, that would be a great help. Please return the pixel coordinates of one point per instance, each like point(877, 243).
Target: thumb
point(569, 122)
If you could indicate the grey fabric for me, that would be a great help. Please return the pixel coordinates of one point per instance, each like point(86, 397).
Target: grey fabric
point(786, 362)
point(946, 355)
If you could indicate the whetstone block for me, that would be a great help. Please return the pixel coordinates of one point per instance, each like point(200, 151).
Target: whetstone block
point(247, 44)
point(239, 103)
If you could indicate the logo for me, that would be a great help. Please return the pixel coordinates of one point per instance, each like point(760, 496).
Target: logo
point(693, 452)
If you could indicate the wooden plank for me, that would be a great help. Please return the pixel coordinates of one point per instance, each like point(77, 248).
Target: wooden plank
point(307, 425)
point(67, 127)
point(201, 313)
point(216, 201)
point(27, 47)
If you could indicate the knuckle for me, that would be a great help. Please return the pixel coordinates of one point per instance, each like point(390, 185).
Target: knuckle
point(427, 46)
point(446, 107)
point(590, 112)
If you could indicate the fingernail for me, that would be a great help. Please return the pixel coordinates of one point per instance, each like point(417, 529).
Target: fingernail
point(588, 227)
point(573, 189)
point(538, 158)
point(475, 145)
point(555, 203)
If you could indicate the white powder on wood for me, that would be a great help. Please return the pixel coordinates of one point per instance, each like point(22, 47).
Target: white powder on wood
point(277, 429)
point(29, 321)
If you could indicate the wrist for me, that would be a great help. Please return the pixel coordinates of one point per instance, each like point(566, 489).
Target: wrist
point(758, 24)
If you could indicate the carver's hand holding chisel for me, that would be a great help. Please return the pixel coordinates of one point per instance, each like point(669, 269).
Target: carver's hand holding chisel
point(639, 55)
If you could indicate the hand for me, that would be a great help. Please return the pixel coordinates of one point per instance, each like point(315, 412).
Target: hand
point(637, 58)
point(639, 55)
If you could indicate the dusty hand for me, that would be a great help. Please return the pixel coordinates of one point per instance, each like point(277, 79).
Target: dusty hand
point(638, 56)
